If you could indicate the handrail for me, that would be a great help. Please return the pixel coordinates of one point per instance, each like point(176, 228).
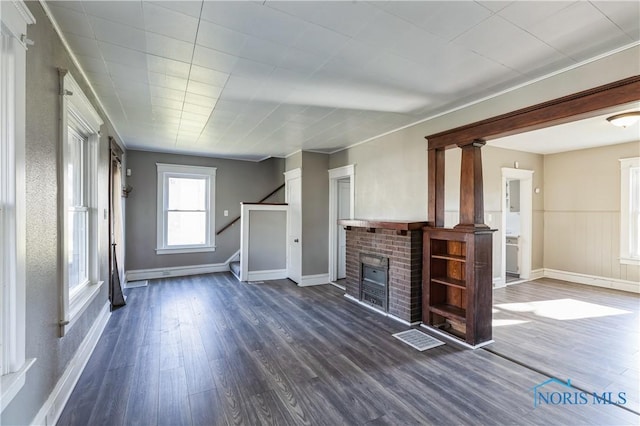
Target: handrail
point(228, 225)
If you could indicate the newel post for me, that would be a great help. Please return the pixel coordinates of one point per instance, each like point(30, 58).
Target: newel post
point(471, 195)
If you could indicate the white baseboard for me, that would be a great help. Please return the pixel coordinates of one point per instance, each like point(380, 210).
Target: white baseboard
point(454, 340)
point(50, 412)
point(498, 283)
point(594, 280)
point(307, 280)
point(275, 274)
point(179, 271)
point(536, 273)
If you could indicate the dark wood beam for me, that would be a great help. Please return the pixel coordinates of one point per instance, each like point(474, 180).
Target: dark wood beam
point(588, 103)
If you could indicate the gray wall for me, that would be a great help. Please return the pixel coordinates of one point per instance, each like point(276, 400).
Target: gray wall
point(267, 240)
point(293, 161)
point(43, 239)
point(315, 213)
point(236, 182)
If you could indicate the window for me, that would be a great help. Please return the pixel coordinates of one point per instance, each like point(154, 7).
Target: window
point(185, 212)
point(630, 211)
point(13, 365)
point(79, 214)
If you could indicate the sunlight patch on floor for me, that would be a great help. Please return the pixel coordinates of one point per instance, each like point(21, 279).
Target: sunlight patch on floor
point(563, 309)
point(505, 322)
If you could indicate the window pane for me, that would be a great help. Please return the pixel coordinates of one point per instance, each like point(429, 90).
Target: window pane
point(186, 228)
point(75, 189)
point(187, 194)
point(77, 239)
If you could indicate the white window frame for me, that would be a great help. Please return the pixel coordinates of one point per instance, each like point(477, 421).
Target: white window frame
point(78, 113)
point(626, 164)
point(166, 171)
point(14, 19)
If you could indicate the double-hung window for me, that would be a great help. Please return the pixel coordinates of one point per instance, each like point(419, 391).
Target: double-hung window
point(185, 211)
point(80, 131)
point(14, 19)
point(630, 211)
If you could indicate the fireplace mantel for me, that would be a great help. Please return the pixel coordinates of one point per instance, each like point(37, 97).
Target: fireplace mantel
point(395, 225)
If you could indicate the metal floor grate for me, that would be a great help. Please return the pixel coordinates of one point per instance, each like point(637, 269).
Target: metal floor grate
point(418, 339)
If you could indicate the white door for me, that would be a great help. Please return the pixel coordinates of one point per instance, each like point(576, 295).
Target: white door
point(294, 228)
point(344, 212)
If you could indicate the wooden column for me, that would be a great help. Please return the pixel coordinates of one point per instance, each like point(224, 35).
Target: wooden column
point(471, 195)
point(435, 185)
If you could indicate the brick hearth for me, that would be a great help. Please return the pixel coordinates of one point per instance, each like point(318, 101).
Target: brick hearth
point(403, 246)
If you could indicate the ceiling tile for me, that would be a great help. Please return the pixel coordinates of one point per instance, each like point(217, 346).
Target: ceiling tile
point(168, 66)
point(208, 76)
point(503, 42)
point(92, 64)
point(347, 18)
point(203, 89)
point(122, 55)
point(121, 35)
point(214, 59)
point(447, 19)
point(71, 21)
point(624, 14)
point(200, 100)
point(168, 47)
point(169, 23)
point(220, 38)
point(127, 13)
point(163, 80)
point(85, 46)
point(566, 30)
point(191, 8)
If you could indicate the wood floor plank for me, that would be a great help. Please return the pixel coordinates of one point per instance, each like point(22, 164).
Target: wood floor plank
point(209, 350)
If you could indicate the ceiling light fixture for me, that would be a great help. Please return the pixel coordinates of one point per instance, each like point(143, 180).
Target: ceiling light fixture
point(625, 119)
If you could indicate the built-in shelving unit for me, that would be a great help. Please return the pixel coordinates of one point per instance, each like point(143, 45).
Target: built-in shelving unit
point(457, 283)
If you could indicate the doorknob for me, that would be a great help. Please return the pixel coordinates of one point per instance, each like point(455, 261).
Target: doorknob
point(296, 240)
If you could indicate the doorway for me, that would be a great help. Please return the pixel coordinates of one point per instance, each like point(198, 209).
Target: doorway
point(517, 225)
point(341, 206)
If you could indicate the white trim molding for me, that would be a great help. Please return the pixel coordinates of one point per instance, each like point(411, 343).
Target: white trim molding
point(526, 220)
point(245, 229)
point(593, 280)
point(627, 193)
point(334, 176)
point(176, 271)
point(206, 174)
point(15, 18)
point(50, 412)
point(275, 274)
point(309, 280)
point(536, 274)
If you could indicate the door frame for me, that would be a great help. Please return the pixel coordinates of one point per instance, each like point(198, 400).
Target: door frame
point(526, 221)
point(334, 176)
point(289, 176)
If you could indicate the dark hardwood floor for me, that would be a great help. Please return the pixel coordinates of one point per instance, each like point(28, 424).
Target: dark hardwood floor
point(208, 350)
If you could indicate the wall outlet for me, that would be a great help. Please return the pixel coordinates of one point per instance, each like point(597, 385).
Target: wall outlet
point(226, 213)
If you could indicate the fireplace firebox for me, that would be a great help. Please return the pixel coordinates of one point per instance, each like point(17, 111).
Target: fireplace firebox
point(374, 278)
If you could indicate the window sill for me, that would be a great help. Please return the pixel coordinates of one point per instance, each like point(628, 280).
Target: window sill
point(629, 261)
point(185, 250)
point(10, 384)
point(80, 303)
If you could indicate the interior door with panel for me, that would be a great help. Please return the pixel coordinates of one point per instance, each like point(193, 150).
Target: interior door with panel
point(293, 193)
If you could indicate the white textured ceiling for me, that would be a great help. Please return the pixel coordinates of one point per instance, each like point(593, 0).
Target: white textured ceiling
point(258, 79)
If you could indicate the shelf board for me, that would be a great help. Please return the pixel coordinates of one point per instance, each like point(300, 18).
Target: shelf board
point(454, 257)
point(449, 311)
point(451, 282)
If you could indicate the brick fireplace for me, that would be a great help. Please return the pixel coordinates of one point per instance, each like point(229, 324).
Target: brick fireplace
point(401, 244)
